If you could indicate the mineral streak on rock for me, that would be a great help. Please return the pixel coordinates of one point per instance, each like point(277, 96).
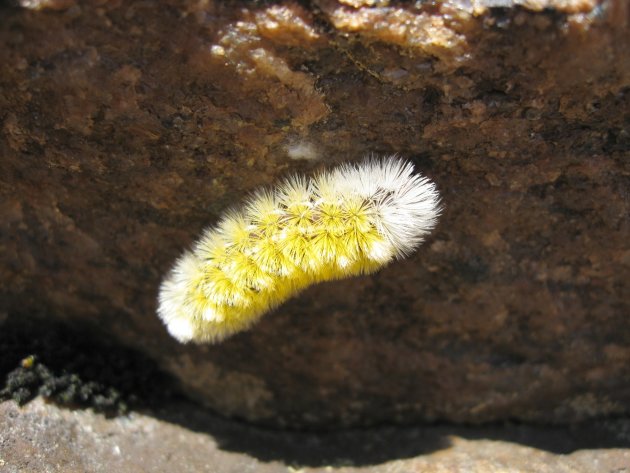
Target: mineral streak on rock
point(126, 128)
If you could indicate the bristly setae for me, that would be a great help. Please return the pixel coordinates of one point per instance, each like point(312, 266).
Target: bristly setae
point(350, 220)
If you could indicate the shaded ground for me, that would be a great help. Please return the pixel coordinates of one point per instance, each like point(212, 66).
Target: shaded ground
point(180, 437)
point(75, 366)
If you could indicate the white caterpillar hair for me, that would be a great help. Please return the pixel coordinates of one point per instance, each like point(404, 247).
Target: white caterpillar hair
point(406, 204)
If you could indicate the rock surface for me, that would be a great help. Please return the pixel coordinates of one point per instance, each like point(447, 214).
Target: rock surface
point(43, 437)
point(126, 129)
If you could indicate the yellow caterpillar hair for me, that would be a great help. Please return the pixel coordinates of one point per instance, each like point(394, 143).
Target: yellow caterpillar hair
point(347, 221)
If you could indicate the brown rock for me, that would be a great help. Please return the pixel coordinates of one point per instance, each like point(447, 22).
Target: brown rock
point(127, 128)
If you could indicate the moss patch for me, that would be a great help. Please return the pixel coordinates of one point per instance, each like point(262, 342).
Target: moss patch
point(74, 366)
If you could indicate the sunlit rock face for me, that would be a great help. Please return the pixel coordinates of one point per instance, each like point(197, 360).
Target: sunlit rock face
point(126, 129)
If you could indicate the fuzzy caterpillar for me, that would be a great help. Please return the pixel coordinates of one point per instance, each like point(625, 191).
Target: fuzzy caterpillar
point(347, 221)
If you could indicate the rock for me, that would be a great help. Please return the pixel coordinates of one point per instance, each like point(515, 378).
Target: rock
point(126, 129)
point(43, 437)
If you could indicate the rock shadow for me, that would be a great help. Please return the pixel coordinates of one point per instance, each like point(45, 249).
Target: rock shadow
point(78, 367)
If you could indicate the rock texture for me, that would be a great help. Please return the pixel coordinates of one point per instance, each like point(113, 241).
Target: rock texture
point(126, 128)
point(179, 438)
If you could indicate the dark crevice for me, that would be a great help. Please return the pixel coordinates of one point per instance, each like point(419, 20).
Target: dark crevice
point(75, 365)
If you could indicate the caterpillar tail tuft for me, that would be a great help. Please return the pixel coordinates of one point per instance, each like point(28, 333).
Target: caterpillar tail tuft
point(350, 220)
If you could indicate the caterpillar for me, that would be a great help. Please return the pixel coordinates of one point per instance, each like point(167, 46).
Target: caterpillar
point(350, 220)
